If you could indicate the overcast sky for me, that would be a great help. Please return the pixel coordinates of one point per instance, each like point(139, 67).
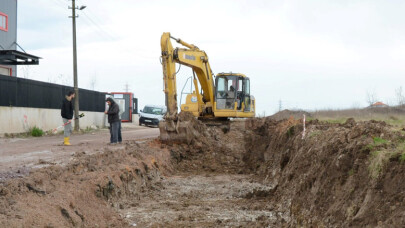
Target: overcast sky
point(306, 54)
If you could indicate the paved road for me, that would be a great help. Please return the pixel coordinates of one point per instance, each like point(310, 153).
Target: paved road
point(26, 153)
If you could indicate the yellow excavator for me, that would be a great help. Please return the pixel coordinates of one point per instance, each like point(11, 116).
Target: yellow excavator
point(224, 96)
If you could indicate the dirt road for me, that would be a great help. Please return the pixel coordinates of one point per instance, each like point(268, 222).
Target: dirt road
point(21, 154)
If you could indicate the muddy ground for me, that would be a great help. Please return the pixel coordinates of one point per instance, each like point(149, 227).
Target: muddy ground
point(262, 173)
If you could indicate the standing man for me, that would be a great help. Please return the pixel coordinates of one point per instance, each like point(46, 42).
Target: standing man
point(67, 116)
point(113, 119)
point(120, 116)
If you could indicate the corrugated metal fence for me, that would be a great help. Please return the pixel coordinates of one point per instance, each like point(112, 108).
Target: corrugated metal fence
point(21, 92)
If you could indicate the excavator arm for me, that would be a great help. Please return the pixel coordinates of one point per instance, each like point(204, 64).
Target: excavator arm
point(172, 129)
point(194, 58)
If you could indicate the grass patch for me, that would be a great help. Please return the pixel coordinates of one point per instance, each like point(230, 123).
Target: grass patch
point(336, 121)
point(36, 132)
point(379, 141)
point(390, 116)
point(379, 159)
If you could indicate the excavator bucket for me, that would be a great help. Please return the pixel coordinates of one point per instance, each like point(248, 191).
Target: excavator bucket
point(175, 132)
point(183, 129)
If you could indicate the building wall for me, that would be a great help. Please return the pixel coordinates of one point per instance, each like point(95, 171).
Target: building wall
point(9, 38)
point(19, 120)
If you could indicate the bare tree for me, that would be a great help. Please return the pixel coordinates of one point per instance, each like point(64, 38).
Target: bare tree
point(61, 79)
point(371, 97)
point(399, 96)
point(356, 105)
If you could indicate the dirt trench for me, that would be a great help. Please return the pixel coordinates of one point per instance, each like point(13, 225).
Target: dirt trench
point(334, 175)
point(262, 173)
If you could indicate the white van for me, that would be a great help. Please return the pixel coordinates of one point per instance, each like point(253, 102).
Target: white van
point(151, 115)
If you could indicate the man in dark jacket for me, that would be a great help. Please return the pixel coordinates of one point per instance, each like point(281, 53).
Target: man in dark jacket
point(67, 116)
point(113, 119)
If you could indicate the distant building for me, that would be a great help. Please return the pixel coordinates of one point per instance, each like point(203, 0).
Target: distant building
point(8, 32)
point(9, 56)
point(379, 104)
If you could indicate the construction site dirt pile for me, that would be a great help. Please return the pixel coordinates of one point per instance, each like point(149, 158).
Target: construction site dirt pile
point(334, 175)
point(86, 192)
point(286, 114)
point(211, 150)
point(261, 173)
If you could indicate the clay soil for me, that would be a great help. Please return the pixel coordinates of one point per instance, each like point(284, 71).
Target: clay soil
point(261, 173)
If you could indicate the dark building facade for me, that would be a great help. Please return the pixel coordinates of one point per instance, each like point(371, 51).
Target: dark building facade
point(8, 32)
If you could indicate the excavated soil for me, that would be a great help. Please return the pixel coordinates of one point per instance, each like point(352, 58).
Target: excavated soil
point(329, 177)
point(262, 173)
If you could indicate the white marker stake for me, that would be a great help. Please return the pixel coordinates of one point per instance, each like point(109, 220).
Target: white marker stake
point(303, 132)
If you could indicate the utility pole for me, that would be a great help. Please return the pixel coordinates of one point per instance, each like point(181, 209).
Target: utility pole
point(75, 83)
point(126, 87)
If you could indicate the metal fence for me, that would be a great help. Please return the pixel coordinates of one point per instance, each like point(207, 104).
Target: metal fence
point(21, 92)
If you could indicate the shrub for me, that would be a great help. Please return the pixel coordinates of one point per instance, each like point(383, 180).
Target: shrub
point(36, 132)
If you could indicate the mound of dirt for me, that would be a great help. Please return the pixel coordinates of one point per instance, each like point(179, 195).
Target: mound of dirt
point(287, 114)
point(336, 175)
point(385, 110)
point(84, 193)
point(211, 150)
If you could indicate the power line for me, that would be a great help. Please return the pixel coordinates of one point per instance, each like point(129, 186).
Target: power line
point(60, 4)
point(96, 30)
point(93, 15)
point(99, 27)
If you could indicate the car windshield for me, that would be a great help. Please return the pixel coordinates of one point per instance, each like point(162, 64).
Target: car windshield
point(153, 110)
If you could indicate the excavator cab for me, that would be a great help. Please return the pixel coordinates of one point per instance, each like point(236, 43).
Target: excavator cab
point(232, 95)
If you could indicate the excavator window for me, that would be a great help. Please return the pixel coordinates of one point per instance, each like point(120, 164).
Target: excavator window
point(226, 87)
point(246, 86)
point(246, 96)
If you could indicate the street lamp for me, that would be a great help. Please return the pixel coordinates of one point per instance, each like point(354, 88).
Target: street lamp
point(76, 89)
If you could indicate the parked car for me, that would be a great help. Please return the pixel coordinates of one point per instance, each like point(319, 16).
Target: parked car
point(151, 115)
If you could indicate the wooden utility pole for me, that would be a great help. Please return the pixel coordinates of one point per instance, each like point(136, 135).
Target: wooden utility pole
point(75, 83)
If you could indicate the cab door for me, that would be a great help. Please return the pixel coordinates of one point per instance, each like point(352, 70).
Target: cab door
point(246, 94)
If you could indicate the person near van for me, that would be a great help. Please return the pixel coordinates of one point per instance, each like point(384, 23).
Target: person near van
point(67, 116)
point(113, 119)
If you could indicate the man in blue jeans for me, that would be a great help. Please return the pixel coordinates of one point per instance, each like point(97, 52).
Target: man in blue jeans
point(113, 119)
